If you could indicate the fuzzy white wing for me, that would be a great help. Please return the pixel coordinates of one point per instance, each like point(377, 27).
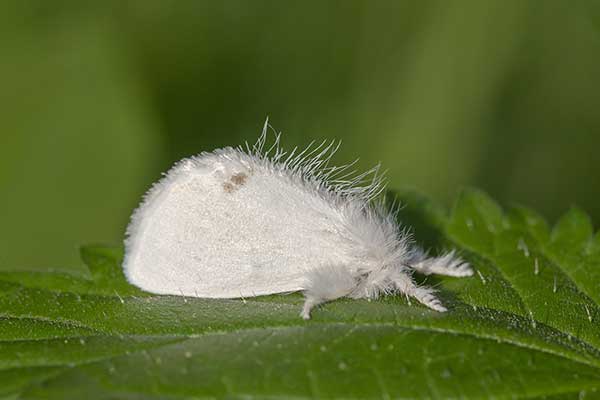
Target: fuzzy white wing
point(225, 229)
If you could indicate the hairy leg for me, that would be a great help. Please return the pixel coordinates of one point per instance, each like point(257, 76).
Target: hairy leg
point(448, 264)
point(404, 283)
point(325, 284)
point(394, 279)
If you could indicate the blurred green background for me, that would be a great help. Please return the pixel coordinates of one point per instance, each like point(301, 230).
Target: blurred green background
point(98, 98)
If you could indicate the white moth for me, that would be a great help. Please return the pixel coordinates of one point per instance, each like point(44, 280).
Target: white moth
point(239, 223)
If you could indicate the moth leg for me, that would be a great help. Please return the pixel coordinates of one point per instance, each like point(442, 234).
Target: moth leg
point(325, 284)
point(377, 283)
point(448, 264)
point(389, 280)
point(404, 284)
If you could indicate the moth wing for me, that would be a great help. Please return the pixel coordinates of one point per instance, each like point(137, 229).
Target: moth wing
point(220, 229)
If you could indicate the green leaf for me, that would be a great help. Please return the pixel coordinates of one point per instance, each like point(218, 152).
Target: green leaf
point(525, 325)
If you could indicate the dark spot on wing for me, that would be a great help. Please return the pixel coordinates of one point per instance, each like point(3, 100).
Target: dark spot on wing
point(235, 182)
point(228, 187)
point(239, 178)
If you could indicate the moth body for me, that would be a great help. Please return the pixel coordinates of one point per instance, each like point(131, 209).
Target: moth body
point(239, 223)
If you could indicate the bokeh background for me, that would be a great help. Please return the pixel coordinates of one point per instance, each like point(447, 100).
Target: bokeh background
point(98, 98)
